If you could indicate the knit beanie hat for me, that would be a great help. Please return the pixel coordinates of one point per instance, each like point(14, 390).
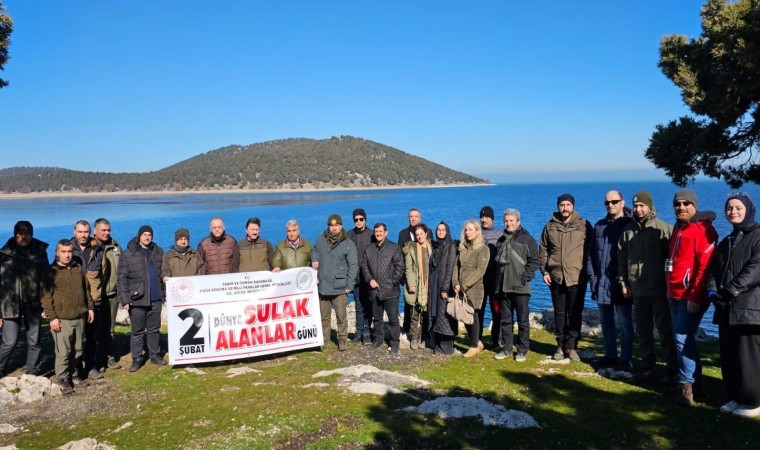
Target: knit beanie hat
point(144, 229)
point(687, 195)
point(23, 226)
point(644, 197)
point(359, 212)
point(487, 211)
point(566, 197)
point(334, 219)
point(182, 233)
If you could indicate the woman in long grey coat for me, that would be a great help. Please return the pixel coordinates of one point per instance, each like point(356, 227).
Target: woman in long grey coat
point(470, 268)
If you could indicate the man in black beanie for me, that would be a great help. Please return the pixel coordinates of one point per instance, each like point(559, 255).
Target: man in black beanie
point(563, 251)
point(141, 293)
point(491, 234)
point(23, 266)
point(362, 238)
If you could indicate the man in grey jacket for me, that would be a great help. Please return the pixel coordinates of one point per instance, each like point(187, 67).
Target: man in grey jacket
point(334, 258)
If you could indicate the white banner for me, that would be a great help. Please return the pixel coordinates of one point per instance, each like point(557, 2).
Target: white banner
point(239, 315)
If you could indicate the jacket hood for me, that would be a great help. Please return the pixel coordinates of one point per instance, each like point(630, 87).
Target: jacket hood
point(134, 244)
point(574, 216)
point(36, 245)
point(703, 216)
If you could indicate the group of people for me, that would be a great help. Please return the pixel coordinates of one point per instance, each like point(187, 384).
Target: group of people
point(639, 269)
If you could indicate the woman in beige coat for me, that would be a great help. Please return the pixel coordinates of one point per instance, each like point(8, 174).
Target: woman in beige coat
point(469, 270)
point(417, 255)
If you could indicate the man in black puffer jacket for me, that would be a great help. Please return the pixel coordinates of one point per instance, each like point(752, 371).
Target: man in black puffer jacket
point(383, 269)
point(142, 293)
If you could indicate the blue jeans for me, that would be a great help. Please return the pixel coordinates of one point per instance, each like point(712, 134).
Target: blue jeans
point(625, 317)
point(685, 326)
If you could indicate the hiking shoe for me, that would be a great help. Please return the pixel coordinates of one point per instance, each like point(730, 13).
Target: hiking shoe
point(66, 387)
point(366, 339)
point(573, 355)
point(79, 382)
point(686, 396)
point(521, 357)
point(157, 360)
point(136, 364)
point(604, 362)
point(415, 344)
point(624, 366)
point(730, 407)
point(357, 338)
point(746, 411)
point(377, 344)
point(501, 355)
point(645, 375)
point(94, 374)
point(394, 350)
point(113, 364)
point(473, 351)
point(342, 344)
point(559, 355)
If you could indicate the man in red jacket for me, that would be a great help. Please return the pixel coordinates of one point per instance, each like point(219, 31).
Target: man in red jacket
point(691, 248)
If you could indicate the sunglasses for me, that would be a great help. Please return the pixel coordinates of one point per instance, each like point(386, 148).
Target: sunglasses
point(359, 219)
point(682, 203)
point(611, 202)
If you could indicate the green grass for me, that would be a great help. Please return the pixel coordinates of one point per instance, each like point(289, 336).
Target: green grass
point(171, 408)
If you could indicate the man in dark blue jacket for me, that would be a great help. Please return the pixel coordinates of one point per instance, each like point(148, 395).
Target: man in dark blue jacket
point(602, 267)
point(141, 292)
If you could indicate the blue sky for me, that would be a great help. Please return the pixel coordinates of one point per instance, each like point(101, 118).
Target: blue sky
point(510, 90)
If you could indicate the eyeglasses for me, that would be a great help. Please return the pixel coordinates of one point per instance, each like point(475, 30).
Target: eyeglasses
point(682, 203)
point(612, 202)
point(358, 219)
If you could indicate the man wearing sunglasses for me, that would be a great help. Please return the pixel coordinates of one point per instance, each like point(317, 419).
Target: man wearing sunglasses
point(642, 251)
point(602, 267)
point(362, 237)
point(691, 249)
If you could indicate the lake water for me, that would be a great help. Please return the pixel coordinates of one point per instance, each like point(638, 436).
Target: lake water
point(53, 218)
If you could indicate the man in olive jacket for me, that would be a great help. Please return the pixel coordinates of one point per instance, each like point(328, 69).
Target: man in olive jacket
point(141, 292)
point(294, 251)
point(23, 267)
point(642, 251)
point(181, 260)
point(334, 258)
point(563, 252)
point(67, 302)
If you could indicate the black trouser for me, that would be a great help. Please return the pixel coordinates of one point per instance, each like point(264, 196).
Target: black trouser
point(740, 362)
point(510, 303)
point(444, 344)
point(496, 338)
point(568, 313)
point(388, 306)
point(473, 331)
point(99, 344)
point(146, 320)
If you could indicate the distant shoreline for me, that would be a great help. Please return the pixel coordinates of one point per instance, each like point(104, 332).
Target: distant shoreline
point(33, 195)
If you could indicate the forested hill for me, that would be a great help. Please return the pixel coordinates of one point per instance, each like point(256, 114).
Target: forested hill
point(288, 163)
